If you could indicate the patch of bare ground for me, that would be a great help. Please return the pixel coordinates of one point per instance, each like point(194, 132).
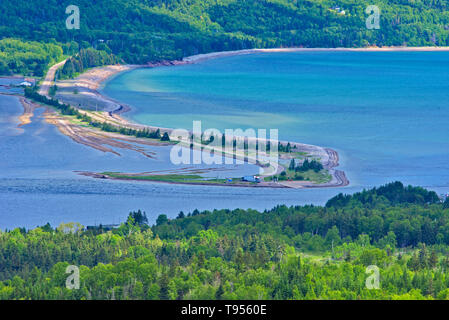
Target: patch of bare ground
point(28, 112)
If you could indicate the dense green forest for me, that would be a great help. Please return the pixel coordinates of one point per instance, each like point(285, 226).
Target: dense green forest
point(142, 31)
point(28, 58)
point(300, 252)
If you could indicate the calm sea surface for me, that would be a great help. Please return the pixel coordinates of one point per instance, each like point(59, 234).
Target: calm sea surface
point(385, 113)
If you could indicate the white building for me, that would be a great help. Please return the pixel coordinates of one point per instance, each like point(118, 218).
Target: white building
point(25, 84)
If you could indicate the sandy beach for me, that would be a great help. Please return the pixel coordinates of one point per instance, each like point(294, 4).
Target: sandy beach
point(83, 90)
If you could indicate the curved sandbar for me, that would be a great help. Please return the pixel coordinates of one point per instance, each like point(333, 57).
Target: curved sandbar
point(87, 85)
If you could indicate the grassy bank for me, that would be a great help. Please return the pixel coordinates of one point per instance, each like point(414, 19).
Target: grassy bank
point(174, 178)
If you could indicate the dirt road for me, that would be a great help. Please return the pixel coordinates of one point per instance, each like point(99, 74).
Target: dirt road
point(49, 78)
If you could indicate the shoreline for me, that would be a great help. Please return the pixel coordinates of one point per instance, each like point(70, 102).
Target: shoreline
point(94, 78)
point(220, 54)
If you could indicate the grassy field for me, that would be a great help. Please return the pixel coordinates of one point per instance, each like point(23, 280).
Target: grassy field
point(174, 178)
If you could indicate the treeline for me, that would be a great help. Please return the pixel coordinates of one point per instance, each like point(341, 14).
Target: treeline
point(404, 214)
point(66, 109)
point(149, 31)
point(239, 254)
point(393, 194)
point(144, 133)
point(85, 59)
point(313, 164)
point(27, 57)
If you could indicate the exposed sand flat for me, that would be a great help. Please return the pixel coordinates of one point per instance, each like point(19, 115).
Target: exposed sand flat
point(94, 138)
point(100, 140)
point(28, 111)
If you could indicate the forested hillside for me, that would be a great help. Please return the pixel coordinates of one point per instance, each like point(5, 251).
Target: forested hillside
point(29, 58)
point(141, 31)
point(303, 252)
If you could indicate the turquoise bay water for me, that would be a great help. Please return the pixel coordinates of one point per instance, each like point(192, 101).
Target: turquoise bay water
point(385, 112)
